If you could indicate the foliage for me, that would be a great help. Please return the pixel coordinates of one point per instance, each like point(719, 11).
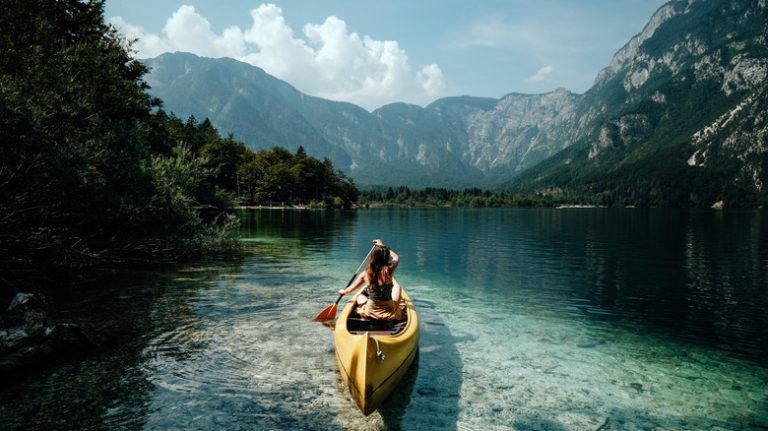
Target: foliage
point(87, 161)
point(236, 174)
point(277, 177)
point(440, 197)
point(176, 180)
point(73, 107)
point(91, 170)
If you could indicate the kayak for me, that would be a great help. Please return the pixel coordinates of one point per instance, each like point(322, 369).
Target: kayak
point(374, 355)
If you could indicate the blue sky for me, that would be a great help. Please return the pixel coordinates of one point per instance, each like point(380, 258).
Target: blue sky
point(375, 52)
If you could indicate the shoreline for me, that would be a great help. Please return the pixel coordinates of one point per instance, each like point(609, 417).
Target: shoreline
point(378, 205)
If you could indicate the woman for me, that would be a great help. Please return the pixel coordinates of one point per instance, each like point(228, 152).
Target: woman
point(381, 300)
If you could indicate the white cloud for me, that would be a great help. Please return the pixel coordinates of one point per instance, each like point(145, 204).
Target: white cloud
point(146, 45)
point(498, 32)
point(541, 74)
point(327, 60)
point(432, 79)
point(188, 31)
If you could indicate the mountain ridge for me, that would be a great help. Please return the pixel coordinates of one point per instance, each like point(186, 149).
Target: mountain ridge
point(695, 61)
point(444, 148)
point(626, 140)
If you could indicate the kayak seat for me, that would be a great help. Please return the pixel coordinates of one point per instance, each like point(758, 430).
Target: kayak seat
point(381, 327)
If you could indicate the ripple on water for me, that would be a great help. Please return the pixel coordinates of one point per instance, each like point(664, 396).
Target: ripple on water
point(546, 329)
point(265, 364)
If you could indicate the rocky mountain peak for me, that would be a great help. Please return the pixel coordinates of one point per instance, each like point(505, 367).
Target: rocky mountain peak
point(631, 50)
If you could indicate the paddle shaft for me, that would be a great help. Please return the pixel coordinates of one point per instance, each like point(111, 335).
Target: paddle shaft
point(362, 264)
point(331, 310)
point(357, 271)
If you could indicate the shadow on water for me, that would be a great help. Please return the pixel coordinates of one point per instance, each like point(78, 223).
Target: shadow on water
point(393, 411)
point(536, 423)
point(434, 403)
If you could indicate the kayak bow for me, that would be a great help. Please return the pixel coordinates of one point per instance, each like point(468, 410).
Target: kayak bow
point(374, 355)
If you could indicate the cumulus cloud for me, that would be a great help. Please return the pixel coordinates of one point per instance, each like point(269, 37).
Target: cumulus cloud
point(326, 60)
point(147, 45)
point(541, 74)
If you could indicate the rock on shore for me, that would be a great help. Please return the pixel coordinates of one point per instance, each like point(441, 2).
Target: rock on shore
point(29, 340)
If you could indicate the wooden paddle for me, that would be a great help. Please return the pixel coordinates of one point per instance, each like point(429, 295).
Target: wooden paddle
point(330, 312)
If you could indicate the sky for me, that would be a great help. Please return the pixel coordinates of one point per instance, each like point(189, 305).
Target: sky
point(373, 53)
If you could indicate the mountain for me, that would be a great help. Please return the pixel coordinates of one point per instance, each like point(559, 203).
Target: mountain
point(679, 116)
point(454, 142)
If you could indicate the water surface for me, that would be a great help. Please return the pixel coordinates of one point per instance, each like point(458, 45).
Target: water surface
point(532, 319)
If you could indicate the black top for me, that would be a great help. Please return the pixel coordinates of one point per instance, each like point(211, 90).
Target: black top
point(383, 293)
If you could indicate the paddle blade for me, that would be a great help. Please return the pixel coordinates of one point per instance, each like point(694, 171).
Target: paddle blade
point(329, 313)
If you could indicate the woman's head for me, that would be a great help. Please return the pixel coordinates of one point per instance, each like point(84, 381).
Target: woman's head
point(379, 261)
point(380, 255)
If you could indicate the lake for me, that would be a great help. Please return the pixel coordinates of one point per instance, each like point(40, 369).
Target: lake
point(531, 319)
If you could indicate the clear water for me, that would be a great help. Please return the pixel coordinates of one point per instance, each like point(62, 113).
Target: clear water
point(531, 320)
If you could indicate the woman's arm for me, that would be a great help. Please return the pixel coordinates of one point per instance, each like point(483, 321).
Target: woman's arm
point(396, 291)
point(354, 286)
point(394, 259)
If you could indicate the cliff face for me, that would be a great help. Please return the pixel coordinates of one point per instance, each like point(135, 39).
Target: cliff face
point(520, 131)
point(740, 136)
point(691, 82)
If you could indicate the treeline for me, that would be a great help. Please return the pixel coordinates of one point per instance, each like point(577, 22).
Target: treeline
point(439, 197)
point(268, 177)
point(278, 177)
point(92, 170)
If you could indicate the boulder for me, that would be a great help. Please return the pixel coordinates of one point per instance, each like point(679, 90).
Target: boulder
point(28, 340)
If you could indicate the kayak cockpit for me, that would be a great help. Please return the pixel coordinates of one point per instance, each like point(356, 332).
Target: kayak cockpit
point(356, 324)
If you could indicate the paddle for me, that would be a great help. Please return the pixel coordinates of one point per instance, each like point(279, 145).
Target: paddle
point(330, 312)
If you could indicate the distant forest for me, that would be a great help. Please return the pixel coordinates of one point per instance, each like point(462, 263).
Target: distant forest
point(439, 197)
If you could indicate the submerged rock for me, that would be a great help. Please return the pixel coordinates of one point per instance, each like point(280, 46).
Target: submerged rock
point(28, 340)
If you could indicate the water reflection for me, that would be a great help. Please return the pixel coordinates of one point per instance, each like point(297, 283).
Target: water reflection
point(531, 319)
point(313, 228)
point(727, 266)
point(698, 276)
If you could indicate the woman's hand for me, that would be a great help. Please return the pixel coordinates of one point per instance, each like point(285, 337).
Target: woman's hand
point(352, 287)
point(377, 242)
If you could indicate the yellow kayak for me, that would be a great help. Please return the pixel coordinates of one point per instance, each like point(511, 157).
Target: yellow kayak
point(374, 355)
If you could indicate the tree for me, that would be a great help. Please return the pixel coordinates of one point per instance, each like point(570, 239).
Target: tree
point(75, 111)
point(223, 156)
point(84, 154)
point(277, 176)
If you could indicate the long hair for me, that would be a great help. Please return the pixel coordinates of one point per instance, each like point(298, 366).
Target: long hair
point(378, 267)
